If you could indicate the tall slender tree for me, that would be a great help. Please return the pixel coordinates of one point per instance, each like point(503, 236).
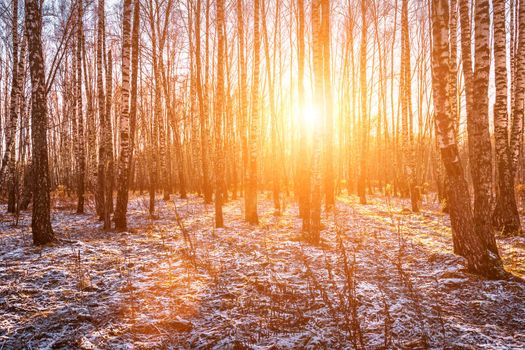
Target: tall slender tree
point(453, 82)
point(108, 146)
point(81, 161)
point(8, 160)
point(243, 92)
point(480, 149)
point(474, 247)
point(315, 202)
point(328, 108)
point(194, 114)
point(101, 100)
point(203, 116)
point(506, 218)
point(303, 173)
point(270, 76)
point(135, 54)
point(124, 127)
point(364, 117)
point(41, 218)
point(251, 186)
point(408, 151)
point(518, 108)
point(219, 111)
point(91, 137)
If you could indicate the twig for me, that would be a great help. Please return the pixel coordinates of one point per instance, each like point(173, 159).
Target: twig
point(185, 233)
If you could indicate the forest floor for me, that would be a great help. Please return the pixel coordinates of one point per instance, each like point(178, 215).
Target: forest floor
point(381, 278)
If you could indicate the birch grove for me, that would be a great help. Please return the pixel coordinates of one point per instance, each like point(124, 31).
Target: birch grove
point(237, 101)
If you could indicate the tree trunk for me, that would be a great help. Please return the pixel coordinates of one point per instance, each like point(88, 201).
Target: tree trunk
point(206, 188)
point(363, 170)
point(81, 165)
point(480, 149)
point(135, 53)
point(516, 135)
point(315, 201)
point(41, 219)
point(8, 160)
point(506, 218)
point(219, 111)
point(329, 120)
point(273, 113)
point(251, 187)
point(408, 144)
point(108, 146)
point(100, 194)
point(125, 149)
point(480, 258)
point(303, 172)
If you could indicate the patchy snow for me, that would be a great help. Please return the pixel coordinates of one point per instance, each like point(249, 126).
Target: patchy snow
point(381, 278)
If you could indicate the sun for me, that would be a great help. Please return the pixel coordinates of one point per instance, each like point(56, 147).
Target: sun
point(310, 116)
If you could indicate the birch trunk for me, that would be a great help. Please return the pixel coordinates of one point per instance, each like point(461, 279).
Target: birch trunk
point(251, 187)
point(108, 146)
point(124, 123)
point(480, 258)
point(41, 218)
point(480, 149)
point(81, 165)
point(303, 173)
point(203, 115)
point(315, 201)
point(219, 111)
point(363, 170)
point(8, 161)
point(506, 218)
point(328, 108)
point(101, 100)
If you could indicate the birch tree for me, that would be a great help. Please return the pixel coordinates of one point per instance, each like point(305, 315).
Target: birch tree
point(107, 140)
point(506, 218)
point(480, 257)
point(8, 161)
point(328, 107)
point(41, 217)
point(101, 100)
point(124, 122)
point(81, 160)
point(364, 117)
point(219, 111)
point(251, 186)
point(206, 187)
point(315, 201)
point(480, 149)
point(303, 174)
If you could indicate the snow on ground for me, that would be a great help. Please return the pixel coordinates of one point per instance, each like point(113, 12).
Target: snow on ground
point(379, 279)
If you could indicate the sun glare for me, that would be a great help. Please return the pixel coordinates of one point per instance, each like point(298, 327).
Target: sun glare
point(310, 116)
